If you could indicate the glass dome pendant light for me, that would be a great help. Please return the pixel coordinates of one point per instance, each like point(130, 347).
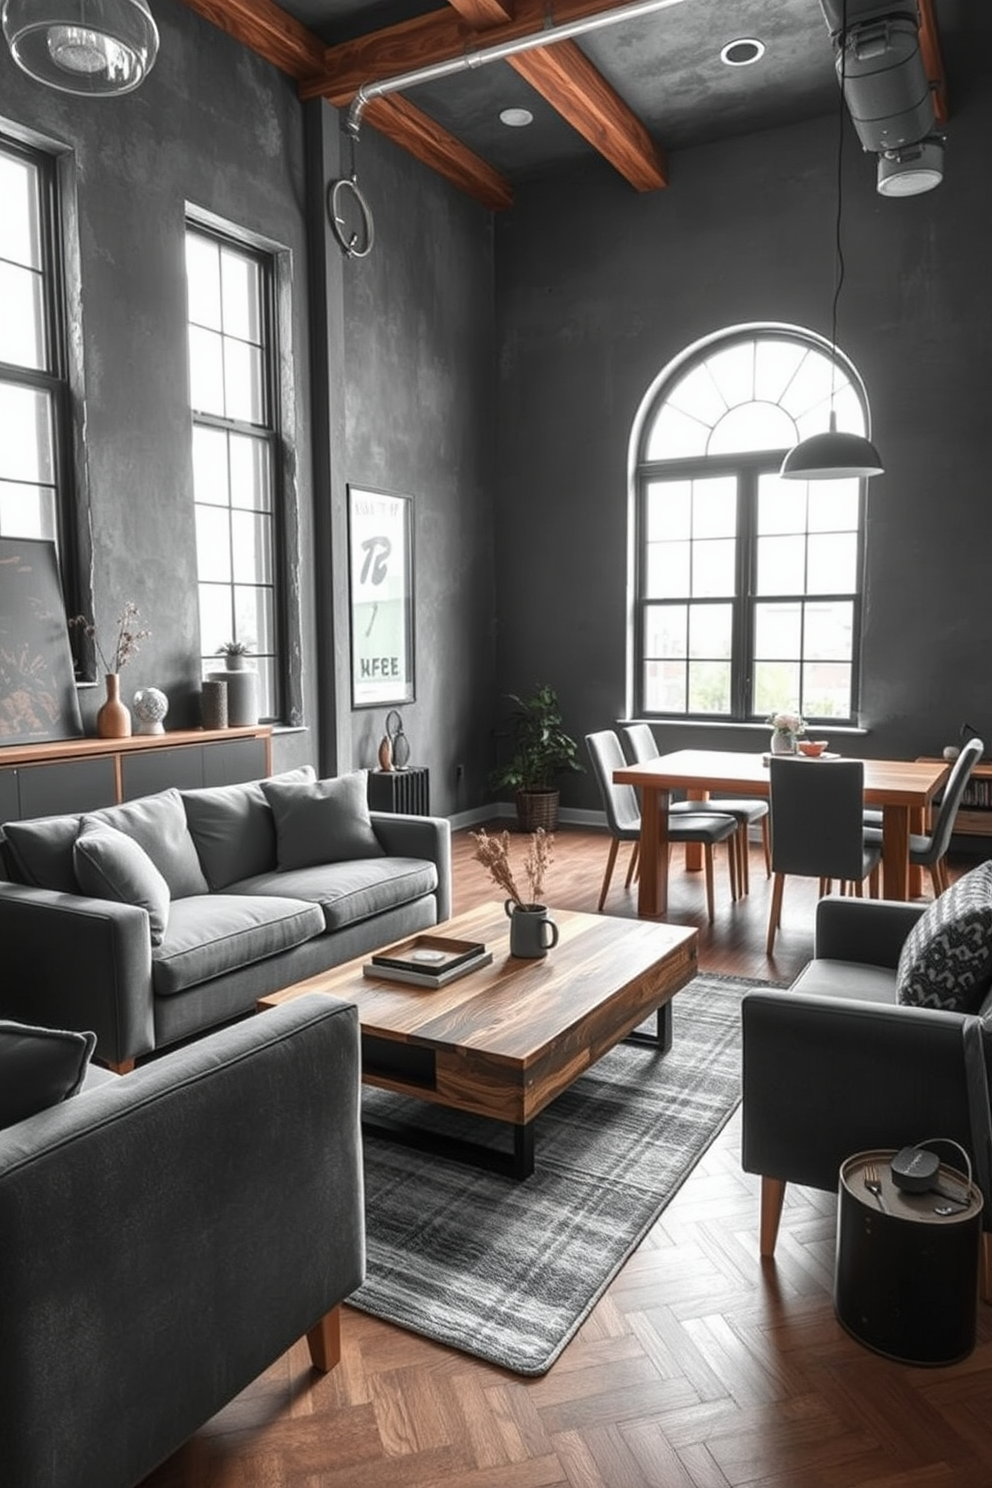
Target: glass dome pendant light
point(834, 455)
point(86, 47)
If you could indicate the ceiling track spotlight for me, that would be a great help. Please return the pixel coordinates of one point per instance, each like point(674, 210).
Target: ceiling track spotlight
point(91, 48)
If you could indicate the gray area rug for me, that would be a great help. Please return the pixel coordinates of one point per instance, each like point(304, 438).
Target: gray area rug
point(508, 1270)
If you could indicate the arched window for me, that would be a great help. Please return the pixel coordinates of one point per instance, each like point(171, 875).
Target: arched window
point(747, 588)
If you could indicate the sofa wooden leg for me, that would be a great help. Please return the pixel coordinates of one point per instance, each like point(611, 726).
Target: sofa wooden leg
point(772, 1199)
point(122, 1067)
point(324, 1340)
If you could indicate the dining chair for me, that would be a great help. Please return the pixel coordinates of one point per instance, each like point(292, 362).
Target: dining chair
point(816, 827)
point(623, 817)
point(929, 850)
point(747, 811)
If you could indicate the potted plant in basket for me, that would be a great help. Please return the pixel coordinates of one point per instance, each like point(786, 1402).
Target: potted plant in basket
point(541, 750)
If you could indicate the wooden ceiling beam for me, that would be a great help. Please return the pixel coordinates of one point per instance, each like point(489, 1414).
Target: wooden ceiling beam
point(933, 61)
point(267, 30)
point(411, 129)
point(439, 36)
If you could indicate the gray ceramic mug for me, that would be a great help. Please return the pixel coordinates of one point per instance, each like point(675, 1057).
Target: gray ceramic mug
point(532, 933)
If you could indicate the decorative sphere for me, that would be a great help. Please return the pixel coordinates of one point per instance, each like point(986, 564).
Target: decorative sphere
point(951, 753)
point(150, 707)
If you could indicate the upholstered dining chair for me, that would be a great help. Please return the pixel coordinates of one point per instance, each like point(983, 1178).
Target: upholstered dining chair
point(639, 742)
point(929, 850)
point(623, 817)
point(816, 826)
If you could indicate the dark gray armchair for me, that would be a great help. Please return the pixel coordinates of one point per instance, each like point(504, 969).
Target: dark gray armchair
point(167, 1235)
point(835, 1065)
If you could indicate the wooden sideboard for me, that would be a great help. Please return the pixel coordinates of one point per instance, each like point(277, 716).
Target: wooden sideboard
point(974, 818)
point(68, 775)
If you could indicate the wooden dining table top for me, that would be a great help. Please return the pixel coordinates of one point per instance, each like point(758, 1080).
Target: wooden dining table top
point(887, 782)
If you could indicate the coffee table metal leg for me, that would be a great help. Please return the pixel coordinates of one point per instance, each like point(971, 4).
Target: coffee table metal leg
point(661, 1039)
point(516, 1164)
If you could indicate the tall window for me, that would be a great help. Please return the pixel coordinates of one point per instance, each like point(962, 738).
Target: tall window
point(747, 587)
point(33, 390)
point(232, 361)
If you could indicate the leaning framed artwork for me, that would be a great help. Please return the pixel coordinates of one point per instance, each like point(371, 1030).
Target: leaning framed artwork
point(37, 681)
point(381, 592)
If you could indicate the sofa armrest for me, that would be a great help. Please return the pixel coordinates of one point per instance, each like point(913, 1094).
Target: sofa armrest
point(871, 931)
point(167, 1236)
point(74, 962)
point(429, 837)
point(826, 1077)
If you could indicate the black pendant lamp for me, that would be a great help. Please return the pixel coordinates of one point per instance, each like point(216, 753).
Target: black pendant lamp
point(834, 455)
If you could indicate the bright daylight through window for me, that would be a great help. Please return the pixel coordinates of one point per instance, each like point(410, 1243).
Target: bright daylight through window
point(232, 366)
point(747, 586)
point(32, 386)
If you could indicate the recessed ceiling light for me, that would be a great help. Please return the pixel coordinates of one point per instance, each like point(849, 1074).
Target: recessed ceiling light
point(742, 52)
point(516, 118)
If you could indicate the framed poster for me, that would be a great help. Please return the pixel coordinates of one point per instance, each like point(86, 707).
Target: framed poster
point(37, 682)
point(381, 588)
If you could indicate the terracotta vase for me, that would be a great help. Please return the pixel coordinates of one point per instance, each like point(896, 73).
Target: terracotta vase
point(113, 720)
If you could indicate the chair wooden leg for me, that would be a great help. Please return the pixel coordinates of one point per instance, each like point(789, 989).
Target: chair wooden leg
point(875, 881)
point(859, 889)
point(614, 845)
point(935, 882)
point(708, 866)
point(775, 912)
point(985, 1268)
point(772, 1199)
point(745, 852)
point(766, 844)
point(733, 868)
point(632, 865)
point(324, 1341)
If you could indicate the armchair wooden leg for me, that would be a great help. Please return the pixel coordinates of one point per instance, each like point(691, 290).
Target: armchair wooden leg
point(772, 1199)
point(122, 1067)
point(614, 845)
point(775, 912)
point(708, 865)
point(324, 1340)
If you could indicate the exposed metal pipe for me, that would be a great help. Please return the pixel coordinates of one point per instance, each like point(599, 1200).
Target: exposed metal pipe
point(498, 53)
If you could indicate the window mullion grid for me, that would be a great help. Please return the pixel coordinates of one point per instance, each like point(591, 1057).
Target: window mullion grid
point(744, 606)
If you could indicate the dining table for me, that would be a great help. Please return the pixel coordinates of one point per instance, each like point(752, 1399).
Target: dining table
point(902, 789)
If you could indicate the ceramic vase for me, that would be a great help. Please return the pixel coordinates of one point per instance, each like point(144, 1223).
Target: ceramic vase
point(532, 931)
point(401, 750)
point(385, 753)
point(783, 742)
point(113, 720)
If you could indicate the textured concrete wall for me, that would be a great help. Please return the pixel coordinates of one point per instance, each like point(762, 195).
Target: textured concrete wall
point(598, 289)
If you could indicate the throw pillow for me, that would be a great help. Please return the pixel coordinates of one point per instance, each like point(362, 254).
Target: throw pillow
point(111, 866)
point(233, 830)
point(39, 1067)
point(324, 821)
point(41, 850)
point(946, 961)
point(158, 824)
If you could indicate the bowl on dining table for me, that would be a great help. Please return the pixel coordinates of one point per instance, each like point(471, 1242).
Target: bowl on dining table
point(812, 748)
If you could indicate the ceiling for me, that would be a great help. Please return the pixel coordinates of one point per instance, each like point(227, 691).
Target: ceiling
point(631, 91)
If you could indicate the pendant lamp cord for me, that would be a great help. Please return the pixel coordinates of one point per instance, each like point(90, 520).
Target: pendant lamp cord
point(838, 244)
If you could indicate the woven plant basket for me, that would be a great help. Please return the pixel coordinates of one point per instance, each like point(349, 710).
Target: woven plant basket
point(537, 808)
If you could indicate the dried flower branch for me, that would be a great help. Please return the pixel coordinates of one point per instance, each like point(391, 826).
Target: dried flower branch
point(128, 637)
point(494, 853)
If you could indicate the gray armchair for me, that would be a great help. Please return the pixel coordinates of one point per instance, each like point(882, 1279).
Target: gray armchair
point(168, 1234)
point(836, 1065)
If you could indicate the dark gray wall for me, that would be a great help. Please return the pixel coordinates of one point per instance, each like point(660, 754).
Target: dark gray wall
point(598, 288)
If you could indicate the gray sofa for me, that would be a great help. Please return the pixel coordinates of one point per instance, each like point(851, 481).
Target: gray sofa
point(167, 1235)
point(155, 920)
point(837, 1064)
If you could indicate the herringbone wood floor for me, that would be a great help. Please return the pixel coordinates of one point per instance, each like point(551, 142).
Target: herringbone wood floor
point(699, 1368)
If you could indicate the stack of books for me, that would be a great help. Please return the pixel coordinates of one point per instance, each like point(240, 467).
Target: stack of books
point(428, 960)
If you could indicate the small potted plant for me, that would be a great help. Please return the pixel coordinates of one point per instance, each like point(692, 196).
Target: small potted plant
point(541, 750)
point(234, 653)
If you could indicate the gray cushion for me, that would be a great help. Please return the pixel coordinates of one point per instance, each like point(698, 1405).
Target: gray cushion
point(41, 851)
point(233, 829)
point(824, 978)
point(39, 1067)
point(111, 866)
point(216, 933)
point(326, 821)
point(946, 961)
point(352, 891)
point(158, 824)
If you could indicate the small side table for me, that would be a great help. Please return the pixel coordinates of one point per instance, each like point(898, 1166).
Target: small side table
point(407, 791)
point(906, 1282)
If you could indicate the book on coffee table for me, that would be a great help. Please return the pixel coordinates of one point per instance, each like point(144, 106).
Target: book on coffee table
point(428, 960)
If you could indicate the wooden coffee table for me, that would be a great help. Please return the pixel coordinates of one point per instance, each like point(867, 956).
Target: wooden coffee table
point(504, 1041)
